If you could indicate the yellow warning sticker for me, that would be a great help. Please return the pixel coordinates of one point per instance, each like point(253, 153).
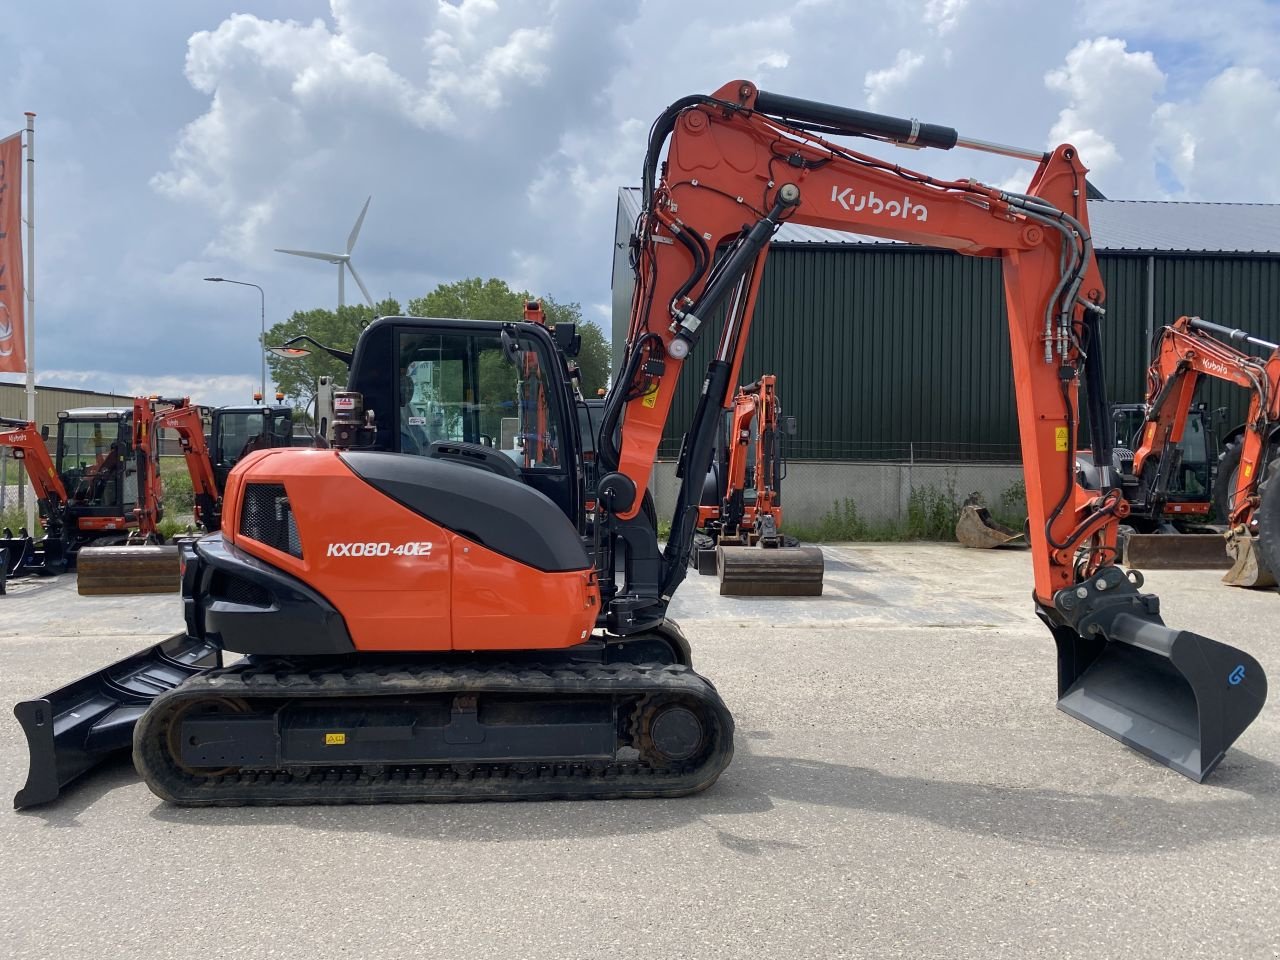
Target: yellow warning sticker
point(651, 396)
point(334, 739)
point(1060, 439)
point(1248, 470)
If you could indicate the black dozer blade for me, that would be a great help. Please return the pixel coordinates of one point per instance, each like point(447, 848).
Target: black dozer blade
point(1175, 696)
point(76, 727)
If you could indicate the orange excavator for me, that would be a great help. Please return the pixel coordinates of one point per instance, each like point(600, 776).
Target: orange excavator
point(237, 432)
point(102, 486)
point(448, 626)
point(739, 536)
point(1246, 492)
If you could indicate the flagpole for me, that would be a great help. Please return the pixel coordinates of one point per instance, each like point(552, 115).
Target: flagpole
point(31, 294)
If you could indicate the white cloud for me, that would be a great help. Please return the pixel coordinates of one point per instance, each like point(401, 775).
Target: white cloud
point(880, 83)
point(944, 15)
point(1112, 95)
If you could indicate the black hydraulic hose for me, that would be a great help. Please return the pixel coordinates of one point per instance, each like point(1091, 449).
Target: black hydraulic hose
point(658, 134)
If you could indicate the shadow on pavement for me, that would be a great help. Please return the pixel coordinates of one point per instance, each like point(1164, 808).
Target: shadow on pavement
point(1243, 801)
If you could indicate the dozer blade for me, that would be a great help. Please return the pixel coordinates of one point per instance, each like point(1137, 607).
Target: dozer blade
point(1248, 569)
point(76, 727)
point(1176, 551)
point(977, 528)
point(1178, 697)
point(130, 569)
point(770, 571)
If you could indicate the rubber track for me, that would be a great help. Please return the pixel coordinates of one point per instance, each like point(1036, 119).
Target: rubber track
point(447, 781)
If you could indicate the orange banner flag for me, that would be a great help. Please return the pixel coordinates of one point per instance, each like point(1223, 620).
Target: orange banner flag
point(13, 343)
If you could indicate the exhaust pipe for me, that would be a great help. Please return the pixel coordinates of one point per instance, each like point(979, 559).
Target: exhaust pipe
point(76, 727)
point(1178, 697)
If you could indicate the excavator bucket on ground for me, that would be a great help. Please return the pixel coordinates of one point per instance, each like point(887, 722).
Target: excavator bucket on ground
point(1175, 696)
point(104, 571)
point(1248, 569)
point(762, 571)
point(977, 528)
point(76, 727)
point(1176, 551)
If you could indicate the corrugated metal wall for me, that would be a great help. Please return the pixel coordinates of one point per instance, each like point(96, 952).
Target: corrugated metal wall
point(49, 400)
point(888, 353)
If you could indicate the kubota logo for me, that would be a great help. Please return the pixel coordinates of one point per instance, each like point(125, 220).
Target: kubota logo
point(1217, 367)
point(850, 199)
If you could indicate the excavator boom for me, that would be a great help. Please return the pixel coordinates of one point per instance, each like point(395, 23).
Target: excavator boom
point(742, 162)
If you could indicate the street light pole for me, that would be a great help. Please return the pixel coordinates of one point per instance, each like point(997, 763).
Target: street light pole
point(262, 342)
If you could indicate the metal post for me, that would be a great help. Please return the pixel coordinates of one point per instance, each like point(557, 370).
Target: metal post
point(1151, 306)
point(31, 300)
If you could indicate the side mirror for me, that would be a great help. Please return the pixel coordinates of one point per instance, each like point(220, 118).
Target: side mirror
point(44, 431)
point(789, 426)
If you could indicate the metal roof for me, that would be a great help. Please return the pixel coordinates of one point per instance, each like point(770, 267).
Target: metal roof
point(1119, 226)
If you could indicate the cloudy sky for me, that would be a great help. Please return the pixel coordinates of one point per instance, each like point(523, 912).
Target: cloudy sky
point(183, 140)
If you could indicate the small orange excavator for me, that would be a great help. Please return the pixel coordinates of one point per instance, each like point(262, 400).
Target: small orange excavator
point(1246, 491)
point(739, 536)
point(102, 486)
point(449, 626)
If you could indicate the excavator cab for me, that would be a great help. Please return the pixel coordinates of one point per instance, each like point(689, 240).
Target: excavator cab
point(485, 393)
point(95, 461)
point(238, 431)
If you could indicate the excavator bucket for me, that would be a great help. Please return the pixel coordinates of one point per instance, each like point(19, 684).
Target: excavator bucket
point(76, 727)
point(761, 571)
point(1248, 569)
point(977, 528)
point(1176, 551)
point(1178, 697)
point(127, 569)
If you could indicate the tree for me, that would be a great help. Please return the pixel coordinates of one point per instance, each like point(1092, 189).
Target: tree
point(493, 299)
point(297, 377)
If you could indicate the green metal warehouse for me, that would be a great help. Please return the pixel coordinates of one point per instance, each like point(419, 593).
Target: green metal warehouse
point(888, 352)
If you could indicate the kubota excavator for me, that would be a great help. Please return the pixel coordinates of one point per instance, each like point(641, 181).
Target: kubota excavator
point(739, 536)
point(1246, 491)
point(448, 626)
point(237, 431)
point(101, 486)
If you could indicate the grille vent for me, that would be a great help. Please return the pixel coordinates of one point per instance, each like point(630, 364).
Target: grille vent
point(265, 516)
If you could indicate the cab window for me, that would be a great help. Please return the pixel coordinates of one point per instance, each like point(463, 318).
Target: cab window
point(466, 387)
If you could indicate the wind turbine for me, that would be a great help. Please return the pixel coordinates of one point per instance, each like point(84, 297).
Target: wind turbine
point(343, 260)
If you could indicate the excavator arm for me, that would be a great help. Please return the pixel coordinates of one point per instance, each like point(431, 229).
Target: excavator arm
point(187, 421)
point(742, 162)
point(29, 446)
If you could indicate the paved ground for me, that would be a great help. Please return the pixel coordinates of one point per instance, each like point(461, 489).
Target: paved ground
point(902, 787)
